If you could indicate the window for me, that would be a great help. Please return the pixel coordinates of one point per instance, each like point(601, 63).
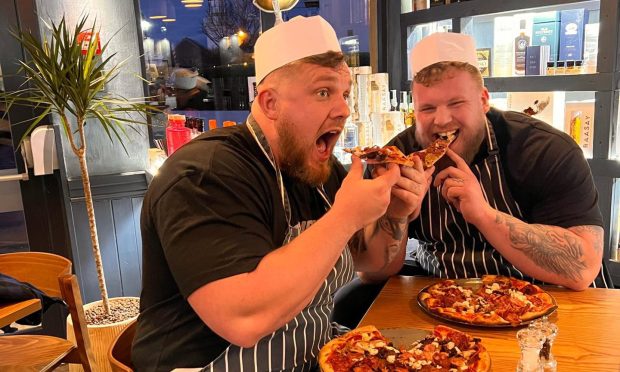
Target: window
point(199, 53)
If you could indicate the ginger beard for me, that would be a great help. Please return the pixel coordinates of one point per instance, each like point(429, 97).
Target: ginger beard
point(295, 158)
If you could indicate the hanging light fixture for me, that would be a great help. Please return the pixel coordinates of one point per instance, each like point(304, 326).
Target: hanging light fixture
point(192, 1)
point(193, 5)
point(171, 15)
point(157, 9)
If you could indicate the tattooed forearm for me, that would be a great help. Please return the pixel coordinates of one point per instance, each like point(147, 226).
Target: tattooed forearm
point(396, 227)
point(356, 243)
point(594, 231)
point(390, 254)
point(560, 253)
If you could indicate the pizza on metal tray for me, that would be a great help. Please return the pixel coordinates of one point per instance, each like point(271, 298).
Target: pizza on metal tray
point(497, 301)
point(365, 349)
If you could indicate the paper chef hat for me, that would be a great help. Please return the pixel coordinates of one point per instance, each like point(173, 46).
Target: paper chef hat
point(443, 47)
point(289, 41)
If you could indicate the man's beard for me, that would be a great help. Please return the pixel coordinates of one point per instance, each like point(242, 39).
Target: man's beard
point(294, 157)
point(471, 146)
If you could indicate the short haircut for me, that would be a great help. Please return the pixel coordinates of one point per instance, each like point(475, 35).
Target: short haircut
point(436, 72)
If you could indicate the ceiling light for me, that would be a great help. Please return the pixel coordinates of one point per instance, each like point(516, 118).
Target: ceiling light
point(193, 5)
point(146, 25)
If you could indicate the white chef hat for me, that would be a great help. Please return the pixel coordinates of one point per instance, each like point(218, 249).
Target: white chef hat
point(289, 41)
point(443, 47)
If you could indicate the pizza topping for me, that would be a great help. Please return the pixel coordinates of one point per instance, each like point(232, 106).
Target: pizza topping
point(498, 301)
point(445, 349)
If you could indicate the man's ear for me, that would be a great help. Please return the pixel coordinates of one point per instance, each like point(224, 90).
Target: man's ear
point(268, 102)
point(485, 97)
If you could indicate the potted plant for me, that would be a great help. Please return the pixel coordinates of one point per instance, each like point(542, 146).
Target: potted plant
point(66, 76)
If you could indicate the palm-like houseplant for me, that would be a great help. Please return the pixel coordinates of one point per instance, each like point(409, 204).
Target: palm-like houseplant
point(65, 80)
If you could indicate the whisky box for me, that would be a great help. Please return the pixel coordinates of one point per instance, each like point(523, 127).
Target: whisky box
point(545, 106)
point(579, 124)
point(534, 64)
point(503, 53)
point(546, 33)
point(571, 34)
point(484, 61)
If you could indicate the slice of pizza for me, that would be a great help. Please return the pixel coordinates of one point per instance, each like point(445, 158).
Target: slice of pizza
point(364, 348)
point(381, 155)
point(515, 300)
point(436, 150)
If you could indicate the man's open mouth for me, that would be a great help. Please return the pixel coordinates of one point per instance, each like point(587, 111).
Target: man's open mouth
point(327, 141)
point(448, 135)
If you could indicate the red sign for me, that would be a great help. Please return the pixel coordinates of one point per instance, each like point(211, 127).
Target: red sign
point(84, 38)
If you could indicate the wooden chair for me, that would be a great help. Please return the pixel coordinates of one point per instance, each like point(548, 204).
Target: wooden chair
point(52, 274)
point(40, 269)
point(119, 354)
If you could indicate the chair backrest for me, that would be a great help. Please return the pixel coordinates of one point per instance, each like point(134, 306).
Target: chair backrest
point(119, 353)
point(71, 294)
point(37, 268)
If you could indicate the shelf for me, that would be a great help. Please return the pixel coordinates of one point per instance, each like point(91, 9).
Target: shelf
point(575, 83)
point(605, 168)
point(478, 7)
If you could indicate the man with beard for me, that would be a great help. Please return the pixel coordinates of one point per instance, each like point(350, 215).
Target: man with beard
point(245, 229)
point(513, 196)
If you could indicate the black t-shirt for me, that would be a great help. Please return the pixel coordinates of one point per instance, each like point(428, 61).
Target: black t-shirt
point(545, 169)
point(213, 211)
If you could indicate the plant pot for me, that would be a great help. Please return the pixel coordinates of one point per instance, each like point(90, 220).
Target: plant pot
point(101, 337)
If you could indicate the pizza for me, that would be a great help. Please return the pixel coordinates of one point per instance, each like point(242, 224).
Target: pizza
point(392, 154)
point(494, 301)
point(436, 150)
point(381, 155)
point(365, 349)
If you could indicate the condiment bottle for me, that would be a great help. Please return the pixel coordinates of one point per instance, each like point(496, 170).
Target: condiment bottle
point(176, 133)
point(530, 342)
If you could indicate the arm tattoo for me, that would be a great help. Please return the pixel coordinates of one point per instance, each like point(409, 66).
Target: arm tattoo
point(558, 252)
point(396, 228)
point(393, 226)
point(356, 243)
point(390, 253)
point(595, 231)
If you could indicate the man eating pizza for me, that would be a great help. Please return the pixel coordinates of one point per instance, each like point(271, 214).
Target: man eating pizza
point(513, 196)
point(249, 230)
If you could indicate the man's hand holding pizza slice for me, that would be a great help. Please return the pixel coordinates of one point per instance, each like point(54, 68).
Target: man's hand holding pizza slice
point(461, 188)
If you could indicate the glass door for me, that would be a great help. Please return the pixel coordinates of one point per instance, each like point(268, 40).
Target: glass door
point(13, 236)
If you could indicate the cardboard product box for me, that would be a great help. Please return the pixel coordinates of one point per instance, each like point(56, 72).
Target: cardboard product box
point(545, 106)
point(484, 61)
point(546, 33)
point(579, 124)
point(571, 34)
point(536, 58)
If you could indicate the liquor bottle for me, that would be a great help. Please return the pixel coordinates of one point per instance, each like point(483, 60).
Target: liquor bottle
point(521, 43)
point(404, 102)
point(177, 134)
point(393, 100)
point(350, 135)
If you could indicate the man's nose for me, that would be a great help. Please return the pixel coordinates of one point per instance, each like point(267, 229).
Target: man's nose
point(341, 108)
point(443, 116)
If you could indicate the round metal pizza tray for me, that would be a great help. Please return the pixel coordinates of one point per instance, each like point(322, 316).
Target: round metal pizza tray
point(475, 283)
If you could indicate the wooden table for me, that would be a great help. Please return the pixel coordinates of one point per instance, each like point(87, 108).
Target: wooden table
point(12, 311)
point(588, 322)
